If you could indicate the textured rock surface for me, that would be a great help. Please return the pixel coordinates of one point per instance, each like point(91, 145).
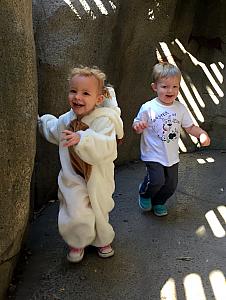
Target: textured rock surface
point(18, 111)
point(122, 37)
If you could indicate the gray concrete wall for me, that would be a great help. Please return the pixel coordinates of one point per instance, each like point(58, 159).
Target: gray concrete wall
point(123, 40)
point(18, 113)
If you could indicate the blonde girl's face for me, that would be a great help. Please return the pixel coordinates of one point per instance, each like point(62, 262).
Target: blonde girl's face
point(84, 94)
point(167, 89)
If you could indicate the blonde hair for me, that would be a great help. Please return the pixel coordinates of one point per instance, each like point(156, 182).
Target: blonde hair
point(163, 70)
point(92, 71)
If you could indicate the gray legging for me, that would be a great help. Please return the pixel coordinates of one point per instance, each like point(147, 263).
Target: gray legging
point(159, 183)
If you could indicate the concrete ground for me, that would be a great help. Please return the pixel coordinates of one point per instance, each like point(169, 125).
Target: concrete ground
point(178, 257)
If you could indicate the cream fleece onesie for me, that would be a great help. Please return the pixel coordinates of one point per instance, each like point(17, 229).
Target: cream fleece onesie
point(84, 206)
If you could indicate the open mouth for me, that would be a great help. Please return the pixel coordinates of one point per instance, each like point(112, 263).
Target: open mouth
point(78, 105)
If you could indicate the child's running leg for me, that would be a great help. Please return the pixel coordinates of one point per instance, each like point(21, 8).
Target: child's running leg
point(152, 183)
point(166, 191)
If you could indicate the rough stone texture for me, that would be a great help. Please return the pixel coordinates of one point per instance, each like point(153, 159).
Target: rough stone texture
point(123, 42)
point(18, 113)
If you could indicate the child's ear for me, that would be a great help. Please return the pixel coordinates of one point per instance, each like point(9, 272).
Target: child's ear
point(154, 87)
point(100, 99)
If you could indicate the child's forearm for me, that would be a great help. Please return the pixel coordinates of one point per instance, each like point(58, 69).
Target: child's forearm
point(195, 131)
point(199, 133)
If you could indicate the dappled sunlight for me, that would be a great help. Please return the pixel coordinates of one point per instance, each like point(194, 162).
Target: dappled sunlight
point(168, 292)
point(215, 224)
point(212, 95)
point(193, 287)
point(85, 8)
point(189, 94)
point(218, 284)
point(201, 231)
point(217, 72)
point(68, 2)
point(222, 210)
point(151, 15)
point(196, 93)
point(202, 161)
point(204, 68)
point(182, 145)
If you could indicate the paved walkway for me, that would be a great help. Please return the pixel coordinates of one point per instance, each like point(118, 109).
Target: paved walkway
point(178, 257)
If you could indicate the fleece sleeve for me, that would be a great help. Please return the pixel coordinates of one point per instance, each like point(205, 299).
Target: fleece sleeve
point(48, 127)
point(98, 143)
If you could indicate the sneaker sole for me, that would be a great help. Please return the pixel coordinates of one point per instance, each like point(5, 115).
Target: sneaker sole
point(144, 209)
point(160, 214)
point(75, 259)
point(106, 255)
point(140, 205)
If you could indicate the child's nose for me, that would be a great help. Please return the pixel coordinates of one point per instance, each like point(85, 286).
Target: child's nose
point(78, 95)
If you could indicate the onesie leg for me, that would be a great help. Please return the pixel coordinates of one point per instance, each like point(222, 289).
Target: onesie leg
point(76, 220)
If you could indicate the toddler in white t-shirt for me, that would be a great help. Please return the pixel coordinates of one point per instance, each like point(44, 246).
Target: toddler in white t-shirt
point(159, 122)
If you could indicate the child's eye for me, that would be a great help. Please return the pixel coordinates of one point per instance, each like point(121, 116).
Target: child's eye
point(86, 93)
point(73, 91)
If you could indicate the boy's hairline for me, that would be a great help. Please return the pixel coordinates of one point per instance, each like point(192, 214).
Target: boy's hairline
point(155, 80)
point(165, 70)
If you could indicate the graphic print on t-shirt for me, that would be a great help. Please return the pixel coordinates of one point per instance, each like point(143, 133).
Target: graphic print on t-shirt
point(166, 126)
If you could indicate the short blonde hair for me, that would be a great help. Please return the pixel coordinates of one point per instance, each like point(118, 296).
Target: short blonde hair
point(163, 70)
point(92, 71)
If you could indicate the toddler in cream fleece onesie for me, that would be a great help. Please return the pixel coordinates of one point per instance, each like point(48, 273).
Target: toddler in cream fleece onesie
point(86, 136)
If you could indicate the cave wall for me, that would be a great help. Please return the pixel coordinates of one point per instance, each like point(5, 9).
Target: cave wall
point(122, 40)
point(18, 111)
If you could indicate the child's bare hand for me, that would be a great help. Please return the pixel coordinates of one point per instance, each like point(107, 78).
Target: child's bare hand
point(204, 139)
point(71, 138)
point(139, 127)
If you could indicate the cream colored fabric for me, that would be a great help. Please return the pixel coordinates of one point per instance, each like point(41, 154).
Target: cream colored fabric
point(84, 207)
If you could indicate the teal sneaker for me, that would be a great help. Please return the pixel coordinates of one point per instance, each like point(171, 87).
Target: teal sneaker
point(144, 203)
point(160, 210)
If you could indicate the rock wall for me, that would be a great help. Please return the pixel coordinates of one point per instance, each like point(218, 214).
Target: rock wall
point(18, 113)
point(126, 38)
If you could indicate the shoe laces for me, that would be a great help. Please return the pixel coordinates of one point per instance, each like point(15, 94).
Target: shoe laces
point(105, 247)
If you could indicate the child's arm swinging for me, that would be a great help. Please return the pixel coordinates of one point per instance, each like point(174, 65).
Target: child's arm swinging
point(199, 133)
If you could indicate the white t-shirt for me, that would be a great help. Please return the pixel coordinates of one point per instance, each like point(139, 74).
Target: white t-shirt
point(159, 141)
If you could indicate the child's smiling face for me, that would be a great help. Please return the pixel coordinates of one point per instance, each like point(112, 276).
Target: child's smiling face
point(84, 94)
point(167, 89)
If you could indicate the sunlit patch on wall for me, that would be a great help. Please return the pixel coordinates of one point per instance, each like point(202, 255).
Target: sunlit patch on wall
point(215, 224)
point(212, 95)
point(151, 15)
point(182, 146)
point(101, 7)
point(112, 5)
point(68, 2)
point(87, 9)
point(217, 72)
point(204, 68)
point(221, 64)
point(196, 93)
